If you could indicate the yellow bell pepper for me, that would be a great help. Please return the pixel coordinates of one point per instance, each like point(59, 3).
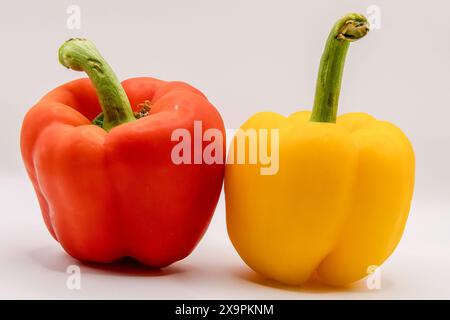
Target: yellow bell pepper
point(339, 202)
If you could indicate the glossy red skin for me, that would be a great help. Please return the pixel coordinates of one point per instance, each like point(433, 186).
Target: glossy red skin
point(104, 195)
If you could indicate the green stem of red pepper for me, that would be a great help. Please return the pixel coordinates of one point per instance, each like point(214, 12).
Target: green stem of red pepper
point(82, 55)
point(349, 28)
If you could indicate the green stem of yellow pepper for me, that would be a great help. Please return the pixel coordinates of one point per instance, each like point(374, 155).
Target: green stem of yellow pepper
point(349, 28)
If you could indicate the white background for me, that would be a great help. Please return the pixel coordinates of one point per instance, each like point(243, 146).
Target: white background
point(246, 56)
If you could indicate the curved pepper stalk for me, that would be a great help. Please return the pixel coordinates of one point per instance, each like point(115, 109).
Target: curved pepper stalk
point(348, 29)
point(82, 55)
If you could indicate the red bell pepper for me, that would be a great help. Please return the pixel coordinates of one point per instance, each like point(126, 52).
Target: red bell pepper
point(113, 191)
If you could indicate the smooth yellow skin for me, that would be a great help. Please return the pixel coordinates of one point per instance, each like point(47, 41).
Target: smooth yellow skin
point(337, 205)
